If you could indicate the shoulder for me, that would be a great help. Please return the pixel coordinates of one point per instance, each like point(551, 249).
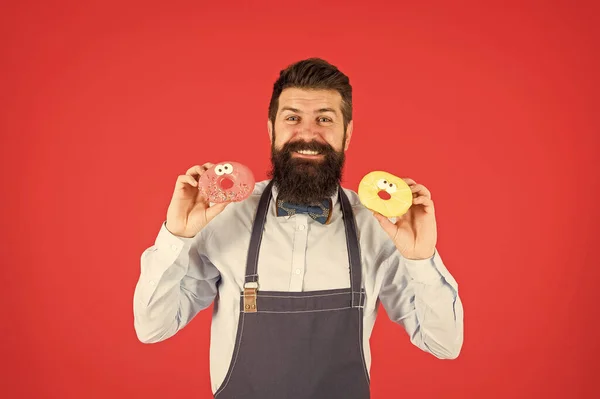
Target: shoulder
point(357, 206)
point(371, 234)
point(260, 187)
point(362, 214)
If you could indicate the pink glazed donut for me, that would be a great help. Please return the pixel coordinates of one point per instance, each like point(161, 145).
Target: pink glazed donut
point(226, 181)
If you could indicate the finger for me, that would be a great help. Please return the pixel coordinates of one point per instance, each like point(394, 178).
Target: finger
point(183, 180)
point(426, 202)
point(198, 170)
point(194, 170)
point(420, 190)
point(409, 181)
point(390, 228)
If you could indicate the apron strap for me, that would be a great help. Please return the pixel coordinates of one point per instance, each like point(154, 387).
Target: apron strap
point(352, 244)
point(256, 237)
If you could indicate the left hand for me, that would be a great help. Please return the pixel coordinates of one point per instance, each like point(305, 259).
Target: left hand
point(415, 232)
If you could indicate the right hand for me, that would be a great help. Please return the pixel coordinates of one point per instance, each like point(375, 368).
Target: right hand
point(188, 211)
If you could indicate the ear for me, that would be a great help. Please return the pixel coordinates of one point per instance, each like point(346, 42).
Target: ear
point(270, 130)
point(348, 135)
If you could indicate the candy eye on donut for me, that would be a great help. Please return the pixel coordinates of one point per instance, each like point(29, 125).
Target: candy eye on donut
point(227, 169)
point(382, 184)
point(391, 188)
point(220, 170)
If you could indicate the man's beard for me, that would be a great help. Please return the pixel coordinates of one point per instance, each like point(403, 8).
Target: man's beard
point(306, 181)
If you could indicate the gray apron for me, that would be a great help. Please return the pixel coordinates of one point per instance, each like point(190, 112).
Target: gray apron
point(299, 345)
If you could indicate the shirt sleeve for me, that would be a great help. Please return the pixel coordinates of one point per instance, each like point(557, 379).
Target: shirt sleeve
point(177, 280)
point(422, 296)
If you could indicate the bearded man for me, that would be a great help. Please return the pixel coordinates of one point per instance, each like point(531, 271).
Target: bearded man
point(297, 271)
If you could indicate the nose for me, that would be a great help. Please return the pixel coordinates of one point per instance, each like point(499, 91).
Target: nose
point(308, 130)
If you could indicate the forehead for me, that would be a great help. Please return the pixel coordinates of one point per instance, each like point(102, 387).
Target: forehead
point(308, 99)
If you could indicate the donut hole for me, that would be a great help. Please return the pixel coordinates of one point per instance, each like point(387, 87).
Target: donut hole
point(225, 183)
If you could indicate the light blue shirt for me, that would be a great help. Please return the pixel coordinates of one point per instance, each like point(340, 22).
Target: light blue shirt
point(182, 276)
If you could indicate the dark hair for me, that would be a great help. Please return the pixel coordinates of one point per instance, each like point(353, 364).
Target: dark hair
point(313, 73)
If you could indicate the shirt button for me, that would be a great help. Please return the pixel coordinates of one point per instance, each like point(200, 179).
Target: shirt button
point(152, 283)
point(301, 227)
point(298, 271)
point(174, 247)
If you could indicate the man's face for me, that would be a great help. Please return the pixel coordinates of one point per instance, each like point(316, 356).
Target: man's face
point(310, 115)
point(307, 144)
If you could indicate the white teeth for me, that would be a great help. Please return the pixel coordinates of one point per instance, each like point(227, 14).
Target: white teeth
point(308, 152)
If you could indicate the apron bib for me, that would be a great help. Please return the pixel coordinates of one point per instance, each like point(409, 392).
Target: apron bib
point(299, 345)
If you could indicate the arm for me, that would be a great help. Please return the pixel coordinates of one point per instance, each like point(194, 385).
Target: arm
point(422, 296)
point(176, 282)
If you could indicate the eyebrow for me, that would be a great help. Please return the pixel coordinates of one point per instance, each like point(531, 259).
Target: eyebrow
point(327, 110)
point(321, 110)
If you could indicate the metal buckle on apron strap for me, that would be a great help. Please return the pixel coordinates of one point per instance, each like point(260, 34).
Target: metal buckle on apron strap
point(250, 297)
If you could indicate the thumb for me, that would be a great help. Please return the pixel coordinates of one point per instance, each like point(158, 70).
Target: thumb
point(214, 210)
point(389, 227)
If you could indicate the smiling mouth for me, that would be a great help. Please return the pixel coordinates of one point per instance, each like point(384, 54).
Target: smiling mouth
point(307, 153)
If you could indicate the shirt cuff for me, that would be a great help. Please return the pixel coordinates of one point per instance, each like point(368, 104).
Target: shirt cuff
point(169, 245)
point(429, 270)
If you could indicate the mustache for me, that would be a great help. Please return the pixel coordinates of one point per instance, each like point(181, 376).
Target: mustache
point(313, 145)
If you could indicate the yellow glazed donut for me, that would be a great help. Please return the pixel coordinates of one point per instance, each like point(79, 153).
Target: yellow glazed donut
point(385, 193)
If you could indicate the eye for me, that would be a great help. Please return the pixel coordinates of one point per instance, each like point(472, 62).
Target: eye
point(324, 119)
point(220, 170)
point(227, 169)
point(382, 184)
point(391, 188)
point(292, 118)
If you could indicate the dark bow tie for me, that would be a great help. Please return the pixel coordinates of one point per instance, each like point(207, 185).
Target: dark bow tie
point(319, 212)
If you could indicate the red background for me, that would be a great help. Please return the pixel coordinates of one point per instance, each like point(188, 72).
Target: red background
point(493, 107)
